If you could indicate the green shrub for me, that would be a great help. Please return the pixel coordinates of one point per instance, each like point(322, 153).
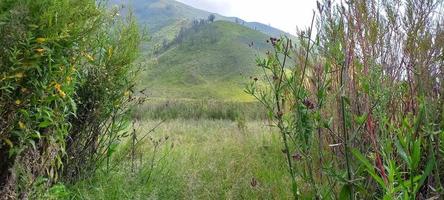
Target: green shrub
point(49, 51)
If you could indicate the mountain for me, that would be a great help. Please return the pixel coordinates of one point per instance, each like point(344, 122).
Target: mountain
point(198, 59)
point(165, 17)
point(213, 61)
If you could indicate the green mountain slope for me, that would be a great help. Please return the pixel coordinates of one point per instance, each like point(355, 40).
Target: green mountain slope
point(165, 17)
point(215, 61)
point(158, 14)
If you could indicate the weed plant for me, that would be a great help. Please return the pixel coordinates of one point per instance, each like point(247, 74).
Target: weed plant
point(360, 108)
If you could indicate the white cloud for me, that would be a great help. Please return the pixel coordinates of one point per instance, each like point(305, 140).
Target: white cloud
point(282, 14)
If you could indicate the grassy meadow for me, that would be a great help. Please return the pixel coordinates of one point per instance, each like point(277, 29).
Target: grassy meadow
point(195, 159)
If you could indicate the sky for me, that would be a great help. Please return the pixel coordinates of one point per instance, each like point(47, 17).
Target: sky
point(283, 14)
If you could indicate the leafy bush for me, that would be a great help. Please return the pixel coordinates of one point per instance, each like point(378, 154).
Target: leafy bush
point(50, 50)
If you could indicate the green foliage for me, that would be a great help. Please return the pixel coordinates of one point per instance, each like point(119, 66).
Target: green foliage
point(357, 126)
point(103, 95)
point(199, 109)
point(50, 50)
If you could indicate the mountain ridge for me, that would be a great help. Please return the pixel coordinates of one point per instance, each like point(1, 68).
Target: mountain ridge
point(165, 11)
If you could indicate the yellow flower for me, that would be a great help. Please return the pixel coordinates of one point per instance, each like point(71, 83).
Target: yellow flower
point(127, 93)
point(62, 94)
point(58, 87)
point(40, 50)
point(40, 40)
point(69, 79)
point(22, 125)
point(19, 75)
point(18, 102)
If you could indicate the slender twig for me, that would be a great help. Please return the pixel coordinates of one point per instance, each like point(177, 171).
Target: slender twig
point(281, 124)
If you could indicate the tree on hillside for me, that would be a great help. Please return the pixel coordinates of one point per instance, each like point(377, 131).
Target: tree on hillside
point(236, 20)
point(211, 18)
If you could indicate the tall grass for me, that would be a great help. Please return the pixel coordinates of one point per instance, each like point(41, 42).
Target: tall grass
point(200, 159)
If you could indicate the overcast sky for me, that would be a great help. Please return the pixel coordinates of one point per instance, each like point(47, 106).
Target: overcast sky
point(282, 14)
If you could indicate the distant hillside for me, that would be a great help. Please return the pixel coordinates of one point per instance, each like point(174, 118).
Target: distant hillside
point(269, 30)
point(165, 17)
point(215, 61)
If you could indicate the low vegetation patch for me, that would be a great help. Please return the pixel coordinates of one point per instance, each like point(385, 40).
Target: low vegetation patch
point(201, 109)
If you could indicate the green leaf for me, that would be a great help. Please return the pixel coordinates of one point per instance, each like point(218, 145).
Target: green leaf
point(345, 193)
point(7, 141)
point(428, 169)
point(112, 148)
point(346, 100)
point(369, 167)
point(365, 87)
point(402, 153)
point(45, 124)
point(36, 135)
point(360, 120)
point(32, 142)
point(387, 197)
point(416, 153)
point(391, 170)
point(327, 124)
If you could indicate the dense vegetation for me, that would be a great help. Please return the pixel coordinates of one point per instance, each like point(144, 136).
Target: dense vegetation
point(65, 78)
point(351, 108)
point(361, 110)
point(200, 109)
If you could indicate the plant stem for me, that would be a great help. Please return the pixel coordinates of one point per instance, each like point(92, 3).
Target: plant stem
point(344, 129)
point(281, 124)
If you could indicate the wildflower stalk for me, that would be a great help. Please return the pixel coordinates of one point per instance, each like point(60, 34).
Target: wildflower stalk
point(281, 122)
